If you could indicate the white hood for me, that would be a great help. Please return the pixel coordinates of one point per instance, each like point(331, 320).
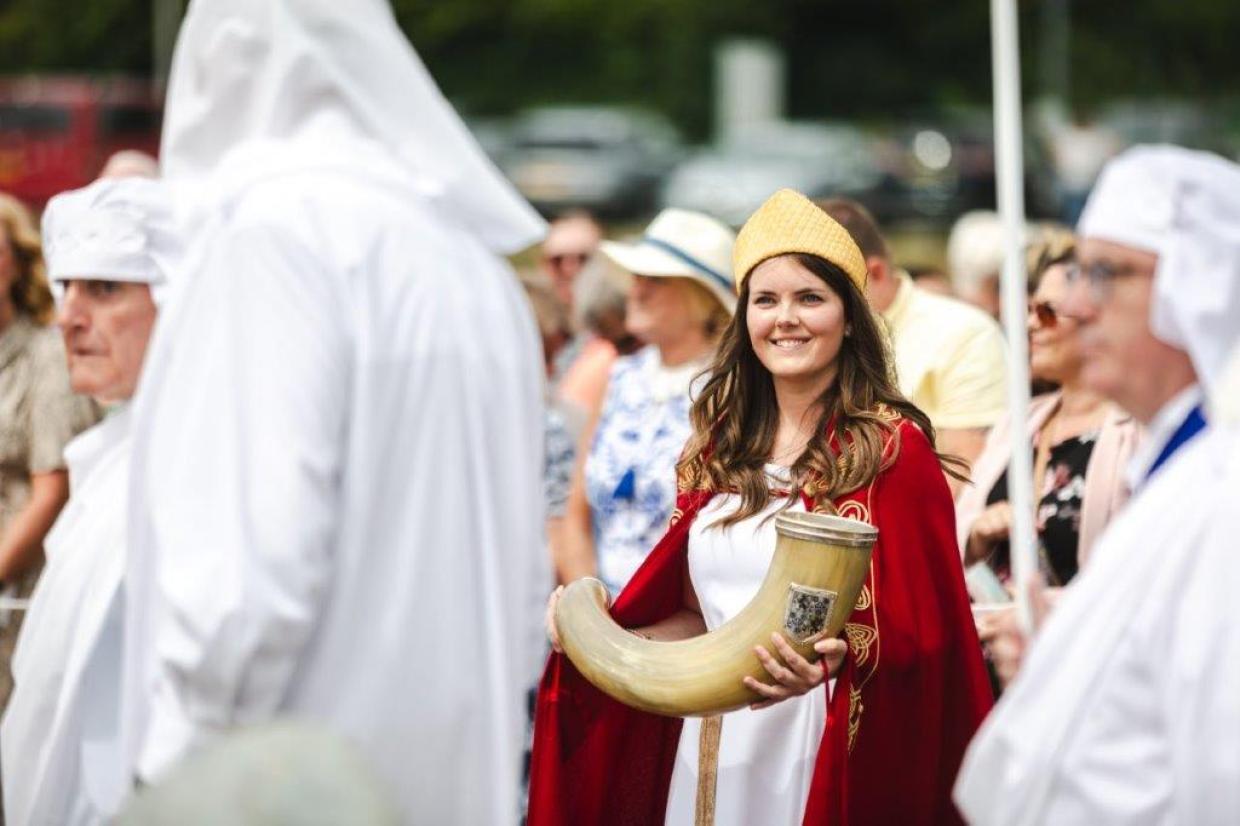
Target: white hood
point(293, 70)
point(1184, 206)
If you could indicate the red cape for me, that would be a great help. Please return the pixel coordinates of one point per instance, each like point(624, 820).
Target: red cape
point(911, 693)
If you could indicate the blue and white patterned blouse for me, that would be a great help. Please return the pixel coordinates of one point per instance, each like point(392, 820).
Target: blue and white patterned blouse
point(631, 470)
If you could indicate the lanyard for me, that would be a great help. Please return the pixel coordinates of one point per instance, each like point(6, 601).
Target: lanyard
point(1193, 424)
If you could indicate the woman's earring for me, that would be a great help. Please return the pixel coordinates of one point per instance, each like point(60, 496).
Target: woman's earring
point(847, 330)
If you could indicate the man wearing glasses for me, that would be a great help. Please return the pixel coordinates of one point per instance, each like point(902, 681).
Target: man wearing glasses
point(1132, 354)
point(1126, 709)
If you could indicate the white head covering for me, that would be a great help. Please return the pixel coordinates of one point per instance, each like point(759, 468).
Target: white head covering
point(290, 69)
point(283, 772)
point(117, 229)
point(1184, 206)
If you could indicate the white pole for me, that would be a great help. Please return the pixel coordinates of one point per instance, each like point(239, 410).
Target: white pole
point(1009, 176)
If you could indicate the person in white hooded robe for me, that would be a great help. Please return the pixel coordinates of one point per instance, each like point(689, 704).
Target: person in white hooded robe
point(336, 510)
point(1125, 710)
point(110, 250)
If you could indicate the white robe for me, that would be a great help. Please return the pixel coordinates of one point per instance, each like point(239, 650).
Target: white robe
point(337, 508)
point(61, 755)
point(1127, 708)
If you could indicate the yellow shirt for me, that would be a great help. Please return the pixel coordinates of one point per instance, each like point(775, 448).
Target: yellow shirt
point(950, 357)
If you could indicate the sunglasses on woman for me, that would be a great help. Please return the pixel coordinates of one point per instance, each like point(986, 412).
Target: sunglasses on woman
point(1046, 314)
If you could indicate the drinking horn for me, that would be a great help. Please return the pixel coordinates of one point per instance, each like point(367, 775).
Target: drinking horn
point(815, 577)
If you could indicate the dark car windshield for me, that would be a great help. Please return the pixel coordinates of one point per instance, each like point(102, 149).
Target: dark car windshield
point(575, 144)
point(20, 117)
point(128, 120)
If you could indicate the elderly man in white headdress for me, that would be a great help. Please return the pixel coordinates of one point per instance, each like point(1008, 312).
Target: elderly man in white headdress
point(1126, 709)
point(110, 251)
point(337, 508)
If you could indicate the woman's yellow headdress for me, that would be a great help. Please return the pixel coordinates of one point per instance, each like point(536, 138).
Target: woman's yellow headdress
point(790, 223)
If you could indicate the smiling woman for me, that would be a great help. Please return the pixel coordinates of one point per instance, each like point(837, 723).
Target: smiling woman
point(799, 412)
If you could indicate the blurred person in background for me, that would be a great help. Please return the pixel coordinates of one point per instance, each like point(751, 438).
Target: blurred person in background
point(571, 242)
point(130, 163)
point(109, 250)
point(599, 302)
point(278, 773)
point(680, 300)
point(336, 506)
point(1125, 709)
point(559, 444)
point(931, 279)
point(560, 451)
point(39, 415)
point(1080, 441)
point(950, 358)
point(1079, 147)
point(572, 239)
point(975, 259)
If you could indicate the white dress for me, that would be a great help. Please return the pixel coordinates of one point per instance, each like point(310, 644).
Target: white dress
point(766, 758)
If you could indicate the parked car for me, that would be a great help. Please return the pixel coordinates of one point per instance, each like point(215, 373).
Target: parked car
point(732, 180)
point(609, 160)
point(56, 132)
point(937, 169)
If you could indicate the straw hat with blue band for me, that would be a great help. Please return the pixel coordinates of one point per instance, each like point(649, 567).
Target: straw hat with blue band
point(790, 223)
point(681, 244)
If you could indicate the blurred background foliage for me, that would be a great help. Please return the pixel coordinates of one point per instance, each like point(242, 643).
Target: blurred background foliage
point(873, 59)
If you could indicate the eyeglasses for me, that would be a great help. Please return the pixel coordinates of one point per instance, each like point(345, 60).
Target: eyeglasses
point(1046, 314)
point(1100, 276)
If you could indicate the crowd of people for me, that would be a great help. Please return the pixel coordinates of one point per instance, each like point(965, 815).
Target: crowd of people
point(294, 467)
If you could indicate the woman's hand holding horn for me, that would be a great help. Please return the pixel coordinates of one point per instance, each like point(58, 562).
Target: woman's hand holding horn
point(795, 676)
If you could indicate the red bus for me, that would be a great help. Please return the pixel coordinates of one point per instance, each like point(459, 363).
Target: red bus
point(57, 131)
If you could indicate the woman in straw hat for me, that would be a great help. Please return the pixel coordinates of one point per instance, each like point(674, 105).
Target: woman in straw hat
point(799, 412)
point(680, 298)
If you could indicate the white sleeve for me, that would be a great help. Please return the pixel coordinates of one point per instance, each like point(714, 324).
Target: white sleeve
point(246, 446)
point(1202, 695)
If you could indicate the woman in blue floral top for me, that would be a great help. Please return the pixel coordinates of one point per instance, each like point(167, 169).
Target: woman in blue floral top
point(680, 298)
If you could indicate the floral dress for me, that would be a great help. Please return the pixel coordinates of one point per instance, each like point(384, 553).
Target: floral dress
point(1059, 510)
point(630, 473)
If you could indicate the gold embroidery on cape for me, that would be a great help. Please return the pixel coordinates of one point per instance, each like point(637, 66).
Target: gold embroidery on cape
point(860, 639)
point(853, 509)
point(824, 506)
point(676, 515)
point(863, 600)
point(886, 412)
point(855, 707)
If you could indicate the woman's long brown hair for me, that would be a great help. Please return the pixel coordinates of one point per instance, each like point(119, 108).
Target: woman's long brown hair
point(30, 294)
point(736, 415)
